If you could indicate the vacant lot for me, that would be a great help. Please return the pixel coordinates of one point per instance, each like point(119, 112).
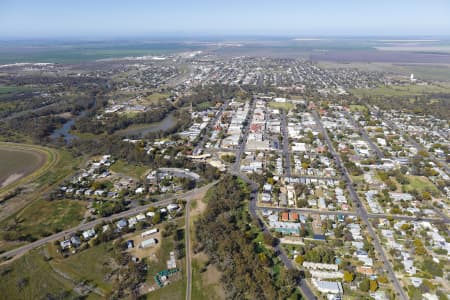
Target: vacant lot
point(94, 265)
point(281, 105)
point(18, 162)
point(131, 170)
point(44, 217)
point(31, 277)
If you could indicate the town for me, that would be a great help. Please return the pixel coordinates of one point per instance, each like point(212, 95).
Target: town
point(338, 193)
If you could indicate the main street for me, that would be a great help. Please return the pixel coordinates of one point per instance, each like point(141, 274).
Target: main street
point(286, 153)
point(201, 144)
point(361, 210)
point(302, 285)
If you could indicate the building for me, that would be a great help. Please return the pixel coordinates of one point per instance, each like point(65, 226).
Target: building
point(328, 287)
point(148, 243)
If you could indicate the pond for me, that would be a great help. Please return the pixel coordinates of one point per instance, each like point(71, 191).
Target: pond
point(143, 129)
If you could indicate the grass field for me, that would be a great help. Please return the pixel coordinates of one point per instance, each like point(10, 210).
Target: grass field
point(426, 71)
point(281, 105)
point(155, 98)
point(125, 168)
point(92, 265)
point(421, 184)
point(43, 217)
point(360, 108)
point(10, 89)
point(205, 285)
point(408, 90)
point(31, 277)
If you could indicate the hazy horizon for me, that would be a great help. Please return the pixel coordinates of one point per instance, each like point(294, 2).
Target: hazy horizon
point(116, 19)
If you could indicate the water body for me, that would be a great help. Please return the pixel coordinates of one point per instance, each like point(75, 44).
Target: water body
point(141, 130)
point(64, 131)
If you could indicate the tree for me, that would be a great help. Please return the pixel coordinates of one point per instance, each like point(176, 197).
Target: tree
point(348, 276)
point(299, 259)
point(365, 285)
point(373, 285)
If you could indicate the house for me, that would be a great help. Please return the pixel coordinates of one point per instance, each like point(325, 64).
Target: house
point(140, 217)
point(285, 216)
point(121, 224)
point(365, 270)
point(75, 240)
point(172, 207)
point(65, 244)
point(88, 234)
point(293, 216)
point(130, 244)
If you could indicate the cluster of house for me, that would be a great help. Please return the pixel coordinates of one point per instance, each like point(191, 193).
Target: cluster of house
point(281, 73)
point(396, 237)
point(80, 185)
point(163, 180)
point(75, 240)
point(310, 156)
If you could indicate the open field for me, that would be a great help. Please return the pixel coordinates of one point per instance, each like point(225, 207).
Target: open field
point(15, 209)
point(408, 90)
point(31, 277)
point(17, 164)
point(19, 161)
point(421, 184)
point(343, 56)
point(205, 283)
point(360, 108)
point(43, 217)
point(437, 72)
point(93, 265)
point(125, 168)
point(281, 105)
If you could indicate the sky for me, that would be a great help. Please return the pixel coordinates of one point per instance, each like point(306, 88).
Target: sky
point(122, 18)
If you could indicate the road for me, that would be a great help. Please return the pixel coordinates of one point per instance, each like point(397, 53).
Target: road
point(362, 212)
point(286, 154)
point(416, 145)
point(125, 214)
point(244, 136)
point(364, 134)
point(302, 285)
point(199, 148)
point(353, 213)
point(187, 238)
